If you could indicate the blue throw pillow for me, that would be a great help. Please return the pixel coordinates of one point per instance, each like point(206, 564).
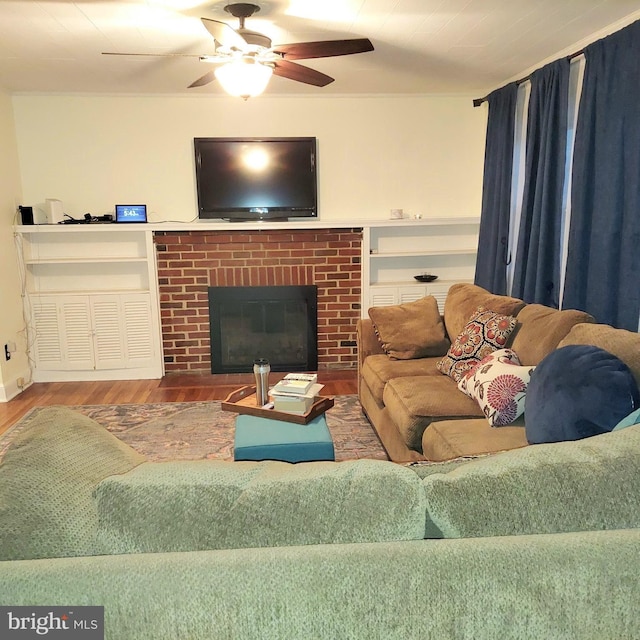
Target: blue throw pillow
point(576, 392)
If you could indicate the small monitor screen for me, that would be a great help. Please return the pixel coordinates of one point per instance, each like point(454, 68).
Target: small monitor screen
point(131, 213)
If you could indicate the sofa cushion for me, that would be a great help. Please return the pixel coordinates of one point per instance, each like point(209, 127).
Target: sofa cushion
point(410, 330)
point(46, 480)
point(485, 332)
point(540, 329)
point(499, 385)
point(210, 504)
point(378, 369)
point(578, 391)
point(584, 485)
point(414, 402)
point(620, 342)
point(450, 439)
point(463, 300)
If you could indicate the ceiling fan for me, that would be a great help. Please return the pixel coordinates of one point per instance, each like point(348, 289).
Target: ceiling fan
point(246, 59)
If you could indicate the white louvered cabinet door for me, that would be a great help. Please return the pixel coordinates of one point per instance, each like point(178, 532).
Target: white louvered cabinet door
point(76, 333)
point(62, 333)
point(137, 317)
point(122, 330)
point(47, 347)
point(108, 332)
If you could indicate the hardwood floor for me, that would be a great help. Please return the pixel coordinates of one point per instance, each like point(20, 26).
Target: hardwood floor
point(172, 388)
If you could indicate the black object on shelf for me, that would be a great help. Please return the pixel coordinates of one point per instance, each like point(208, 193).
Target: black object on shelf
point(426, 277)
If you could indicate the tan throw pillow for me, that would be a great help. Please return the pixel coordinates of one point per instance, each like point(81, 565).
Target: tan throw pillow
point(410, 330)
point(464, 298)
point(485, 332)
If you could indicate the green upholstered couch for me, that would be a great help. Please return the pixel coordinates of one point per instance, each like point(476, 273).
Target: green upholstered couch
point(540, 542)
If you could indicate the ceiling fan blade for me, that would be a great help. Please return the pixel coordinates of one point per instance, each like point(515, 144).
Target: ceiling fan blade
point(224, 34)
point(154, 55)
point(323, 49)
point(297, 72)
point(205, 79)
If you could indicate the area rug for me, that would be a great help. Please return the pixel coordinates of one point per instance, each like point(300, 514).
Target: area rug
point(202, 430)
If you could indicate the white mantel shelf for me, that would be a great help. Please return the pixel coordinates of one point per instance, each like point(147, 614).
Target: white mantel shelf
point(266, 225)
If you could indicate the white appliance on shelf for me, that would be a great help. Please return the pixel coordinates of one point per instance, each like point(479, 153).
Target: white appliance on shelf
point(55, 210)
point(51, 212)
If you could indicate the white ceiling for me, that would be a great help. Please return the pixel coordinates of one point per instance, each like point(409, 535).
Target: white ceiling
point(421, 46)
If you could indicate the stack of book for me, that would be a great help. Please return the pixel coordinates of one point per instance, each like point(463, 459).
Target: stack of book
point(296, 392)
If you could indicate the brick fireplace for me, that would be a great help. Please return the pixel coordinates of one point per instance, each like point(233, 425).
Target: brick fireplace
point(189, 262)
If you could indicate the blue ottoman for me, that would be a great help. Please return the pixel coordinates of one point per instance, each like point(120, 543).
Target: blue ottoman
point(266, 439)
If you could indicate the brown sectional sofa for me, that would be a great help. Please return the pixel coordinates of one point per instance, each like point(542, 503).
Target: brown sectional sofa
point(419, 413)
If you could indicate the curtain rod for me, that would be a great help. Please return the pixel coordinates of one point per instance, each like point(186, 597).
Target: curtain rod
point(478, 101)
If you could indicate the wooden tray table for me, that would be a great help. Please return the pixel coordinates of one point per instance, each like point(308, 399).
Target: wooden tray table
point(243, 400)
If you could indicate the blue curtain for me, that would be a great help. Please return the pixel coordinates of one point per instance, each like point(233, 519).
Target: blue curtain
point(536, 274)
point(603, 261)
point(491, 262)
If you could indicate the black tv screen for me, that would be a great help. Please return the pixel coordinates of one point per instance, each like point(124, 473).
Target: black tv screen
point(256, 178)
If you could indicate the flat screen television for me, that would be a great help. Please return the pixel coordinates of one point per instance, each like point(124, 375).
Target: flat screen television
point(256, 178)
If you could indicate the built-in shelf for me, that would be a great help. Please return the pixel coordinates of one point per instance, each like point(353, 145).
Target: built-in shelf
point(84, 292)
point(92, 302)
point(415, 283)
point(87, 260)
point(396, 251)
point(432, 252)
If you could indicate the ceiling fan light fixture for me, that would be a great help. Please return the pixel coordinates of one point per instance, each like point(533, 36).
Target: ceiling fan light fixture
point(244, 78)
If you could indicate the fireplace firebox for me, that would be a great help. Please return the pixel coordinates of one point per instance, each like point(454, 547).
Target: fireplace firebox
point(279, 323)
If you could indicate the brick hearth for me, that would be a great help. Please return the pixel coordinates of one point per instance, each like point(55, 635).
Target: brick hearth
point(191, 261)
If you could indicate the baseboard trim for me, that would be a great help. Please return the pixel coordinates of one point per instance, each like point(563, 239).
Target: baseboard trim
point(99, 375)
point(11, 390)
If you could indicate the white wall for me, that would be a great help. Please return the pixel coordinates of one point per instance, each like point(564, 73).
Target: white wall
point(11, 322)
point(423, 154)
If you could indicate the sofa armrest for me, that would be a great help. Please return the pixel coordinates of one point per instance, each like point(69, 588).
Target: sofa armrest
point(367, 340)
